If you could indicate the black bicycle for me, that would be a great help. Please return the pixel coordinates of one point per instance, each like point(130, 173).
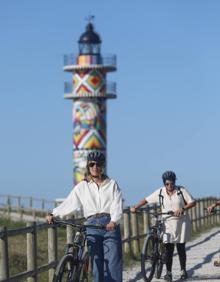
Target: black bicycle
point(215, 211)
point(74, 265)
point(153, 254)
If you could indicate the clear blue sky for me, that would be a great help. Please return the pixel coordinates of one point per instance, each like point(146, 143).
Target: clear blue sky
point(167, 112)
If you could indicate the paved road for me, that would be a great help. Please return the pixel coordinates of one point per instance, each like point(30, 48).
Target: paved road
point(201, 254)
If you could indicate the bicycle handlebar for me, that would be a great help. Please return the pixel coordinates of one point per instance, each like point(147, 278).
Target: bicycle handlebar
point(78, 225)
point(155, 213)
point(213, 211)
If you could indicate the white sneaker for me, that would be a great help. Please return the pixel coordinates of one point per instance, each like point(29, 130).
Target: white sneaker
point(183, 274)
point(168, 277)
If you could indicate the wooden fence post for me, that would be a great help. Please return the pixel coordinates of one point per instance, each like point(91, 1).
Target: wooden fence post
point(211, 216)
point(127, 231)
point(19, 208)
point(146, 221)
point(34, 216)
point(30, 202)
point(9, 206)
point(199, 214)
point(32, 252)
point(194, 218)
point(191, 217)
point(208, 216)
point(218, 214)
point(205, 204)
point(69, 233)
point(42, 204)
point(19, 202)
point(202, 213)
point(4, 268)
point(52, 249)
point(8, 200)
point(134, 228)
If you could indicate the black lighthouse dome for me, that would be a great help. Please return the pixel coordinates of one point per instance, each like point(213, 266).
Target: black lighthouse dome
point(89, 41)
point(89, 36)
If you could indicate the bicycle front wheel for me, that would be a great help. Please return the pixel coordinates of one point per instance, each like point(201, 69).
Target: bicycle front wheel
point(148, 258)
point(65, 270)
point(160, 261)
point(84, 268)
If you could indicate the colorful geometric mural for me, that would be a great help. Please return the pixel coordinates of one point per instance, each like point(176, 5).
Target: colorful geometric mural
point(79, 158)
point(89, 60)
point(90, 82)
point(89, 123)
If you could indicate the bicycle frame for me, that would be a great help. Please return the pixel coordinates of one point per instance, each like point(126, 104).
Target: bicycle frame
point(158, 227)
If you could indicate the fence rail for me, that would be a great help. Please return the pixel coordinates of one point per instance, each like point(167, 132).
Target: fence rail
point(22, 208)
point(134, 226)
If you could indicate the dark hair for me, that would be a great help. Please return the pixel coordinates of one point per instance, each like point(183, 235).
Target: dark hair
point(169, 175)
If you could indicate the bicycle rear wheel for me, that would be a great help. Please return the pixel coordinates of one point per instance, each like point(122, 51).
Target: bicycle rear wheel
point(65, 270)
point(148, 258)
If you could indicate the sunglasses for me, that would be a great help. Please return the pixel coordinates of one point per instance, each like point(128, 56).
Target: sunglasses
point(92, 164)
point(169, 184)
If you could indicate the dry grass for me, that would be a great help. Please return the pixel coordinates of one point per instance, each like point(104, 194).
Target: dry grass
point(17, 248)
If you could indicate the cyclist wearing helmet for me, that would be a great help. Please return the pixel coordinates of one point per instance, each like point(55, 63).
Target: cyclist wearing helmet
point(100, 198)
point(177, 228)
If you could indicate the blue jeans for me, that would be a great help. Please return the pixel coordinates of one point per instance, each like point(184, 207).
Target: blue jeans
point(105, 249)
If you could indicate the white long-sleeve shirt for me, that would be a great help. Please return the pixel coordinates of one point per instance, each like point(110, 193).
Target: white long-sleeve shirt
point(106, 198)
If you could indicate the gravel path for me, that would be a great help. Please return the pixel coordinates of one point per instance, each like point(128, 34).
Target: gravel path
point(201, 254)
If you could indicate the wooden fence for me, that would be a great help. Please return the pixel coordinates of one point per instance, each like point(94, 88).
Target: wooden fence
point(24, 208)
point(134, 228)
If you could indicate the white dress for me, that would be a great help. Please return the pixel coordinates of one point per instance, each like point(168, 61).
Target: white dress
point(176, 229)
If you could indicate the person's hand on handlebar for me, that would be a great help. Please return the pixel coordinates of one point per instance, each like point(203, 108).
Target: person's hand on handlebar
point(139, 205)
point(211, 208)
point(50, 218)
point(178, 212)
point(133, 209)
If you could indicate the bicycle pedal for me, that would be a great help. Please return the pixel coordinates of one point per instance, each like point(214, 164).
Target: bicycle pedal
point(217, 263)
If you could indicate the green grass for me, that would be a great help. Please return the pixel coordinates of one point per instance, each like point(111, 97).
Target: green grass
point(8, 223)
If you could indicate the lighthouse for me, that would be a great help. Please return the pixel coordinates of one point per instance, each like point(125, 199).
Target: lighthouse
point(88, 91)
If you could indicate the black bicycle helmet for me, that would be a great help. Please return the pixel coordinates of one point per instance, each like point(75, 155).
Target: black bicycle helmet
point(96, 156)
point(169, 175)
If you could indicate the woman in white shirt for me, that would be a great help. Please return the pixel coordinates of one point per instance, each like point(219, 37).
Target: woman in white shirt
point(177, 229)
point(101, 200)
